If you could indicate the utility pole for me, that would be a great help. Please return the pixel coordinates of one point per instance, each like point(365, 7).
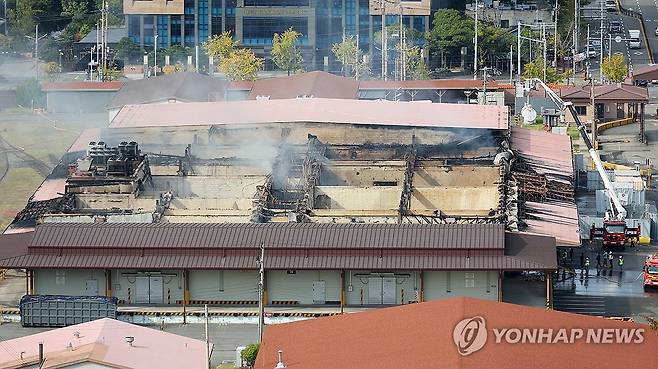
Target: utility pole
point(575, 37)
point(205, 310)
point(36, 39)
point(601, 51)
point(261, 292)
point(557, 12)
point(5, 19)
point(384, 56)
point(518, 51)
point(543, 37)
point(475, 54)
point(594, 125)
point(511, 64)
point(356, 57)
point(587, 52)
point(401, 53)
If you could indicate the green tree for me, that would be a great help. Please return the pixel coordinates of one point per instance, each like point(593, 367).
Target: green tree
point(127, 49)
point(451, 30)
point(284, 50)
point(249, 354)
point(29, 94)
point(416, 68)
point(535, 69)
point(220, 46)
point(614, 68)
point(241, 65)
point(351, 57)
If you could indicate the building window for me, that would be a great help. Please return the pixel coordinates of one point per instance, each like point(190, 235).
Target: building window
point(469, 280)
point(176, 24)
point(163, 31)
point(134, 28)
point(259, 31)
point(580, 109)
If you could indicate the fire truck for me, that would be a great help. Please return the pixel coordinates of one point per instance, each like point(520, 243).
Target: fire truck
point(614, 232)
point(650, 271)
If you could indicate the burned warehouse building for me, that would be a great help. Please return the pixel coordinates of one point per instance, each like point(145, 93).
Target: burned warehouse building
point(355, 203)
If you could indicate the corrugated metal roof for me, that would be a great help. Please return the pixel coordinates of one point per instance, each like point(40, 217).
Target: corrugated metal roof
point(277, 260)
point(435, 84)
point(273, 235)
point(546, 152)
point(81, 86)
point(613, 92)
point(317, 84)
point(313, 110)
point(557, 219)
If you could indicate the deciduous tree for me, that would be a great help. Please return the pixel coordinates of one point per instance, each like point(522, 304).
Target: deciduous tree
point(535, 69)
point(615, 68)
point(351, 57)
point(241, 65)
point(220, 46)
point(284, 50)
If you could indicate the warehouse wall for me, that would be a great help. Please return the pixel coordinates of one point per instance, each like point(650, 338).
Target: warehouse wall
point(78, 101)
point(223, 285)
point(68, 282)
point(282, 286)
point(444, 284)
point(406, 284)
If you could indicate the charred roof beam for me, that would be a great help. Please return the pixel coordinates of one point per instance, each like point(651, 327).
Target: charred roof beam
point(315, 155)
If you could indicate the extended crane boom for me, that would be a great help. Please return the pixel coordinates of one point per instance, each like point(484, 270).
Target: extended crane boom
point(618, 210)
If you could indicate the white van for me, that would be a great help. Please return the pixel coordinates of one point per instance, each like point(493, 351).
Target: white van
point(611, 5)
point(634, 39)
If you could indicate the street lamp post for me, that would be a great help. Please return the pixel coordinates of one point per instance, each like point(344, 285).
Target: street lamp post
point(60, 60)
point(475, 54)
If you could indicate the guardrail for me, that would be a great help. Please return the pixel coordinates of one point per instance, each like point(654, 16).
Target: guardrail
point(638, 15)
point(615, 123)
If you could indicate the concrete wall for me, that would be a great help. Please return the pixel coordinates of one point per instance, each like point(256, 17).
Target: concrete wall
point(298, 285)
point(223, 285)
point(357, 198)
point(444, 284)
point(357, 174)
point(456, 200)
point(426, 175)
point(68, 282)
point(357, 289)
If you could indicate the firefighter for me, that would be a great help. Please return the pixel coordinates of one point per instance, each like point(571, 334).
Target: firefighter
point(598, 260)
point(621, 262)
point(587, 265)
point(611, 259)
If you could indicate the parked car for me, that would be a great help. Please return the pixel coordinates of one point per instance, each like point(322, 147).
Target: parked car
point(611, 5)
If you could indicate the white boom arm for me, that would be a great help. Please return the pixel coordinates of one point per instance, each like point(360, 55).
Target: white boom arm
point(618, 209)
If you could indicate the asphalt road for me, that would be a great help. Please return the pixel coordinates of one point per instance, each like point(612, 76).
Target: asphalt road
point(649, 10)
point(634, 57)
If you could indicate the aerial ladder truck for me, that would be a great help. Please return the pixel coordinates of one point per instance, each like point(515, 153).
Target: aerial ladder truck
point(614, 232)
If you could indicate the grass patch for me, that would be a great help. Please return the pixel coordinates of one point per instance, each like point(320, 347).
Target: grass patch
point(16, 188)
point(46, 137)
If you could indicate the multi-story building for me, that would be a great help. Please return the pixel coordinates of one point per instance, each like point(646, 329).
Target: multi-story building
point(254, 22)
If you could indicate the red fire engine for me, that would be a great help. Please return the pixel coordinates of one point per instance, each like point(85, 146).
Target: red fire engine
point(650, 272)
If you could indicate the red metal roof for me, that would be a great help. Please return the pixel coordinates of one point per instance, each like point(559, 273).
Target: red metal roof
point(314, 110)
point(288, 246)
point(420, 336)
point(273, 235)
point(81, 86)
point(546, 152)
point(435, 84)
point(317, 84)
point(616, 92)
point(558, 219)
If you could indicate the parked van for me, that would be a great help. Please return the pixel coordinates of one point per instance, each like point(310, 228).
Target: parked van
point(611, 5)
point(634, 39)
